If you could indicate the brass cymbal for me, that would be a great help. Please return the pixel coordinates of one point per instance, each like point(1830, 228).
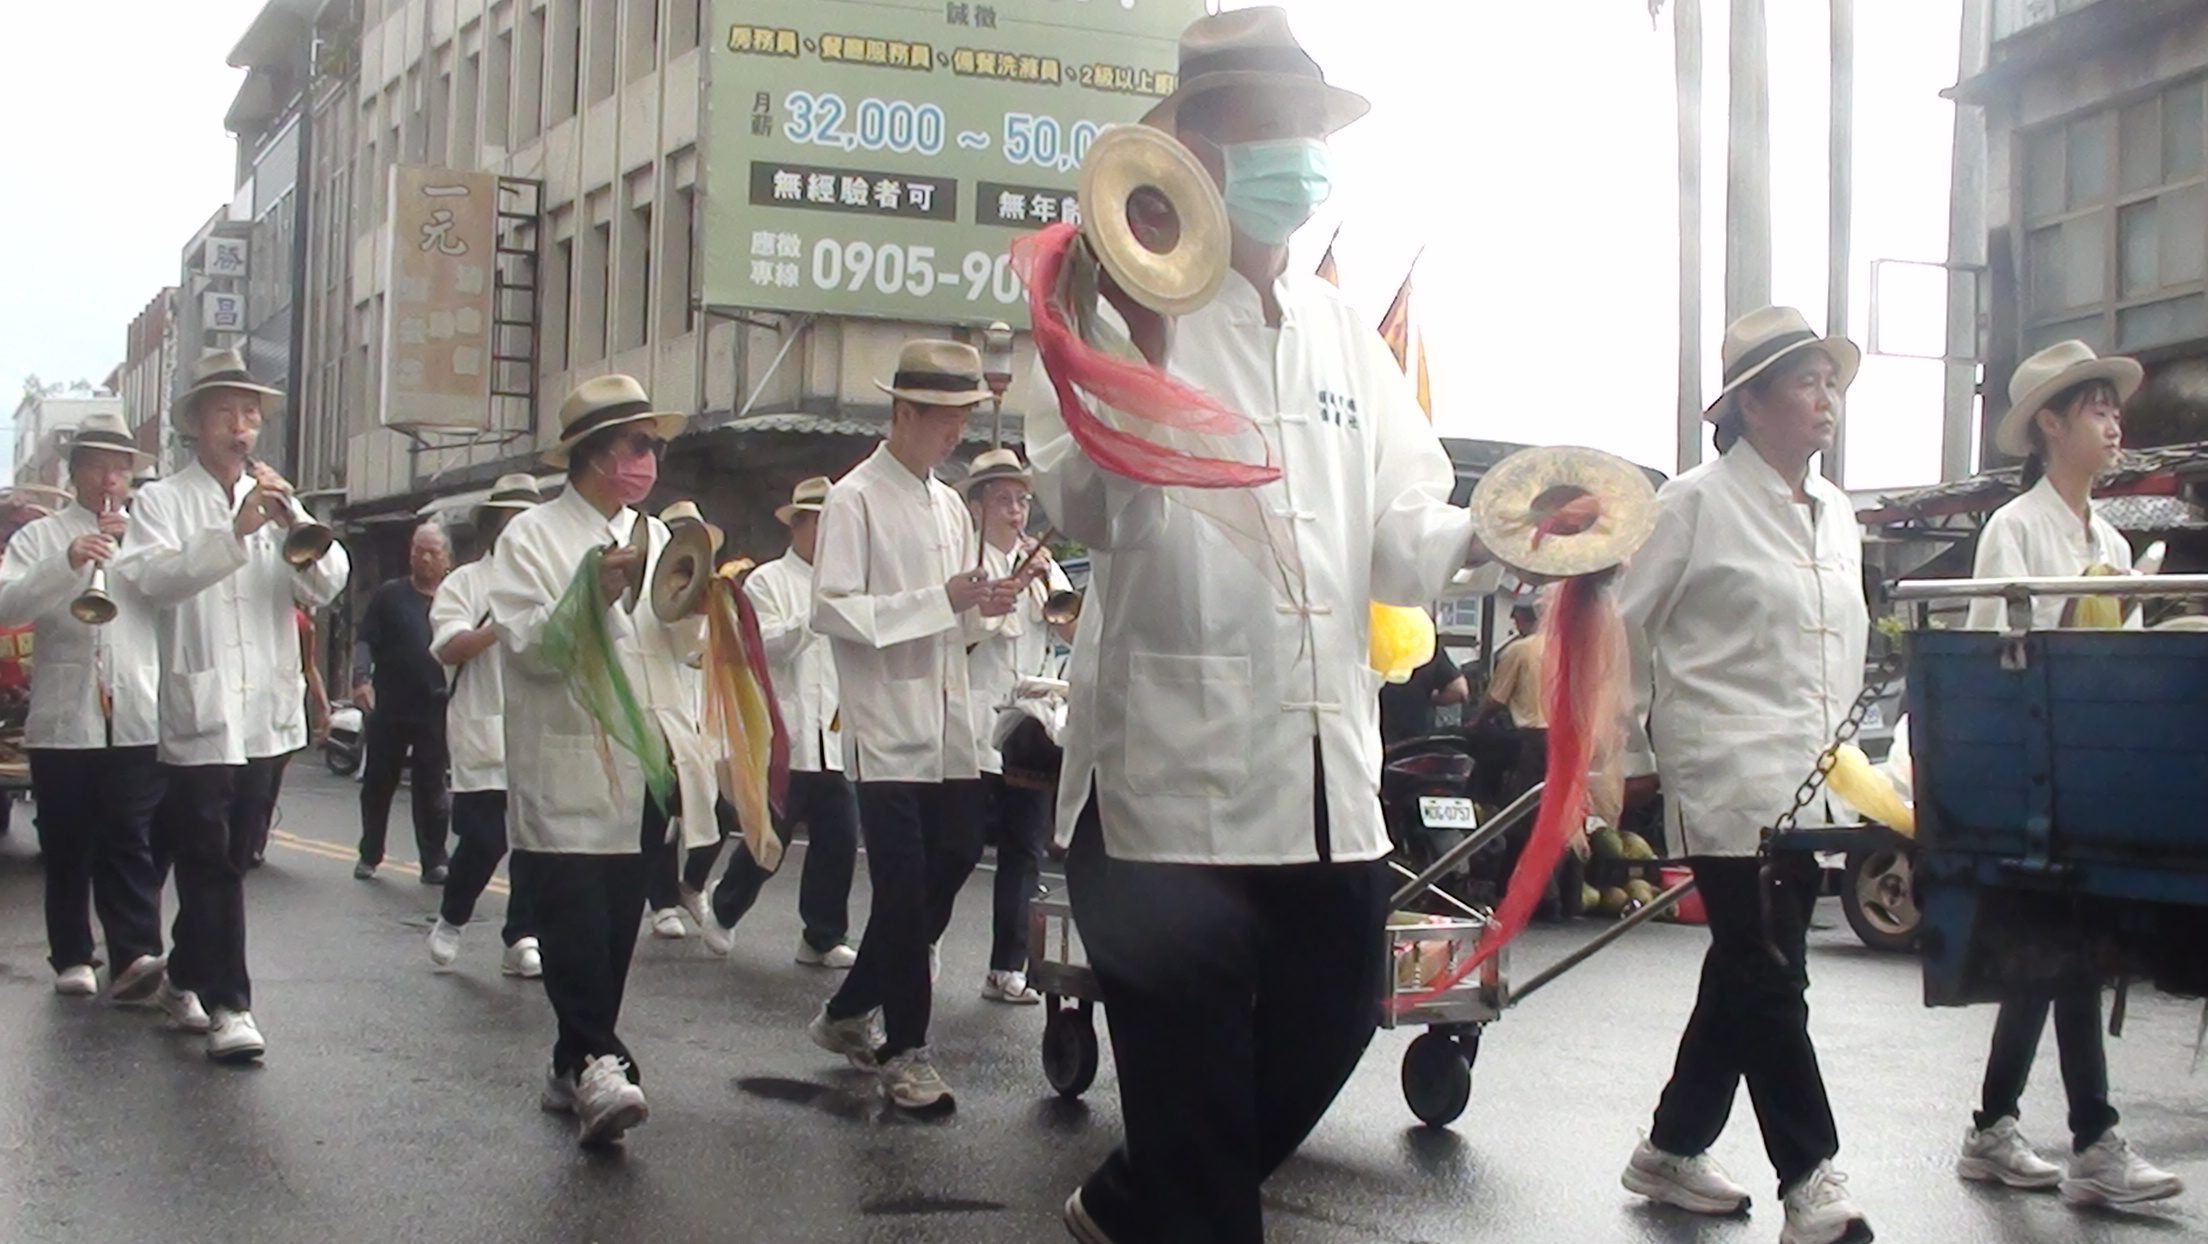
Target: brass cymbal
point(1532, 485)
point(1154, 218)
point(640, 539)
point(684, 568)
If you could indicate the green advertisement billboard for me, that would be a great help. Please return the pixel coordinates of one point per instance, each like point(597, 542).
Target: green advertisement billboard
point(878, 157)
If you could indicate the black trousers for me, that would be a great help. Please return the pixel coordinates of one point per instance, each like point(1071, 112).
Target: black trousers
point(95, 828)
point(390, 744)
point(922, 842)
point(253, 809)
point(1019, 825)
point(198, 829)
point(1240, 1000)
point(587, 910)
point(1751, 1021)
point(479, 822)
point(827, 806)
point(2016, 1034)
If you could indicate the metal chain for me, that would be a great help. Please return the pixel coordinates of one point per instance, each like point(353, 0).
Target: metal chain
point(1874, 689)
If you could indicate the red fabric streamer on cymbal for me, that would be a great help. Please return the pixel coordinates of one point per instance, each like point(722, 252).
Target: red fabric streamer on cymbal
point(1582, 690)
point(1569, 519)
point(1134, 388)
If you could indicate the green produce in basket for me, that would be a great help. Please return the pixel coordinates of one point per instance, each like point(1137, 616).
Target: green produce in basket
point(1590, 898)
point(1640, 892)
point(1608, 845)
point(1614, 900)
point(1636, 847)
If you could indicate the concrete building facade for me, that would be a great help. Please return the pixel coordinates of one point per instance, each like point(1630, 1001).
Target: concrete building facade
point(44, 422)
point(149, 369)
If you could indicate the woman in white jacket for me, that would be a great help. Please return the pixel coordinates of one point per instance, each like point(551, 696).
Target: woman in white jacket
point(2065, 418)
point(1748, 625)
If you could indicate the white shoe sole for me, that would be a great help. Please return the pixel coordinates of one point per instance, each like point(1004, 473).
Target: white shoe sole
point(238, 1054)
point(1011, 999)
point(2087, 1192)
point(192, 1027)
point(1665, 1192)
point(518, 972)
point(614, 1124)
point(138, 984)
point(1854, 1231)
point(1079, 1225)
point(1981, 1171)
point(941, 1103)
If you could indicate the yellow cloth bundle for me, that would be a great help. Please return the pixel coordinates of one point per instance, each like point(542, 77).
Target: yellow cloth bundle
point(1402, 640)
point(2098, 613)
point(740, 715)
point(1869, 791)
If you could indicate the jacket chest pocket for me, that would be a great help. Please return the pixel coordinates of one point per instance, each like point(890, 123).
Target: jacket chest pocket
point(1188, 725)
point(191, 704)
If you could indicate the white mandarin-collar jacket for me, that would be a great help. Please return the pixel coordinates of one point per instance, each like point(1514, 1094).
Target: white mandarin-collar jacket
point(889, 541)
point(1746, 617)
point(2038, 536)
point(475, 711)
point(1020, 648)
point(799, 661)
point(1200, 693)
point(230, 685)
point(570, 789)
point(73, 661)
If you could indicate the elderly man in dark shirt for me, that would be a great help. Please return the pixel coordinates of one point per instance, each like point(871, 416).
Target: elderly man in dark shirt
point(401, 688)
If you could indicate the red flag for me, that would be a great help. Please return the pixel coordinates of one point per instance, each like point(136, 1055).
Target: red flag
point(1327, 271)
point(1396, 330)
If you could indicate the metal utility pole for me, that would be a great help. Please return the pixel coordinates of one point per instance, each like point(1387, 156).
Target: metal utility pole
point(1686, 66)
point(1841, 205)
point(1966, 253)
point(1748, 164)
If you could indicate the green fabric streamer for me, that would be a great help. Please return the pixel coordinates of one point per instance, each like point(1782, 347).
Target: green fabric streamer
point(576, 640)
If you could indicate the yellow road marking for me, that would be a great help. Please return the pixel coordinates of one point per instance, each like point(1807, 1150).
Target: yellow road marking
point(346, 855)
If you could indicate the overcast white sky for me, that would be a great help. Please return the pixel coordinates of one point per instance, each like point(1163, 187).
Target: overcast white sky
point(1528, 146)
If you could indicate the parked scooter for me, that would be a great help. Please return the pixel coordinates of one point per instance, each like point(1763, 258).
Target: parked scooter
point(1426, 801)
point(342, 750)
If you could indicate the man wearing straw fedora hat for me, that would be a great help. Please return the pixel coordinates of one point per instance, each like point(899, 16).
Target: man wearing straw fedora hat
point(1000, 492)
point(1219, 791)
point(584, 823)
point(91, 731)
point(820, 797)
point(206, 547)
point(2065, 419)
point(465, 642)
point(899, 594)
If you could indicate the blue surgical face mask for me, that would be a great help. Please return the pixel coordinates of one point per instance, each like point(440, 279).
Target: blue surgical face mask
point(1273, 187)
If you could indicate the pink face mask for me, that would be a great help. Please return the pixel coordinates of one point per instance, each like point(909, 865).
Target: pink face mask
point(633, 477)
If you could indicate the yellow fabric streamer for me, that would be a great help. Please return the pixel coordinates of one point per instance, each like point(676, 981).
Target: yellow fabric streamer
point(1869, 791)
point(2098, 613)
point(740, 716)
point(1402, 641)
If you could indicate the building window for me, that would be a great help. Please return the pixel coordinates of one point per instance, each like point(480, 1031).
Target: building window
point(640, 42)
point(599, 46)
point(2115, 209)
point(563, 60)
point(529, 76)
point(685, 18)
point(498, 87)
point(553, 303)
point(593, 261)
point(633, 275)
point(467, 100)
point(678, 267)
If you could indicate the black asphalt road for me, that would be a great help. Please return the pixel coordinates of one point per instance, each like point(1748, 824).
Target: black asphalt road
point(399, 1104)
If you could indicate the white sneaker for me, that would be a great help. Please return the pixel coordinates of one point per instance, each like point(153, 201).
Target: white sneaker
point(234, 1038)
point(79, 981)
point(523, 959)
point(935, 962)
point(1697, 1185)
point(667, 924)
point(444, 943)
point(1818, 1211)
point(607, 1105)
point(137, 982)
point(693, 901)
point(910, 1082)
point(719, 938)
point(838, 957)
point(2000, 1154)
point(2111, 1172)
point(1079, 1225)
point(855, 1038)
point(558, 1096)
point(183, 1008)
point(1009, 987)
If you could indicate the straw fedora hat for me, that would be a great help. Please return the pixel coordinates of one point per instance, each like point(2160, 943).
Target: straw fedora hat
point(107, 429)
point(993, 464)
point(1759, 339)
point(687, 512)
point(806, 498)
point(608, 402)
point(1250, 47)
point(2046, 374)
point(218, 369)
point(518, 491)
point(938, 373)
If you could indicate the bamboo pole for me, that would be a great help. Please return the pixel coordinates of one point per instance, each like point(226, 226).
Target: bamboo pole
point(1686, 62)
point(1840, 222)
point(1748, 163)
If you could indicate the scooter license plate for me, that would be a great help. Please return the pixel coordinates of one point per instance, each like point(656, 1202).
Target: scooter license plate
point(1446, 813)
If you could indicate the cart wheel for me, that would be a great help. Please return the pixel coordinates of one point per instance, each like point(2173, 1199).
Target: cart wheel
point(1437, 1076)
point(1069, 1048)
point(1878, 896)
